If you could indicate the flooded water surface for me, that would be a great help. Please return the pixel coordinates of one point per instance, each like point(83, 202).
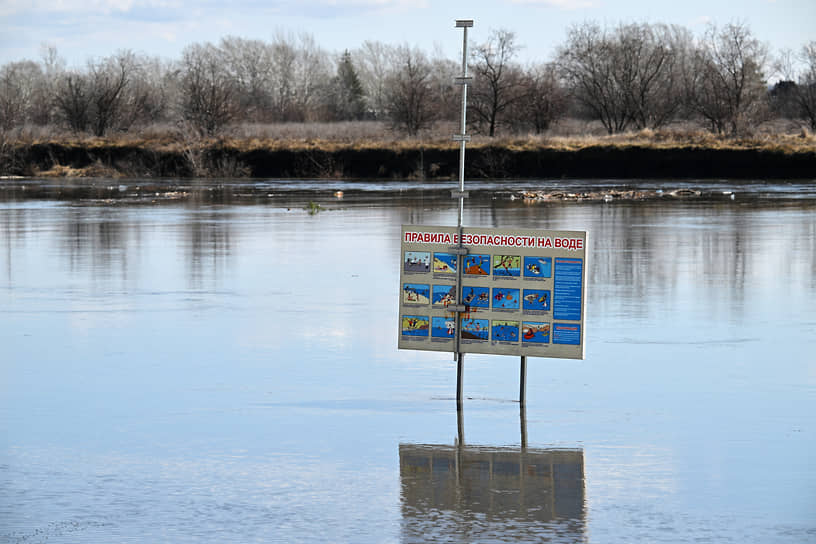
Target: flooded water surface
point(220, 365)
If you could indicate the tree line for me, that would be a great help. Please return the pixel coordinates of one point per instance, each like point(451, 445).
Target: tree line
point(629, 76)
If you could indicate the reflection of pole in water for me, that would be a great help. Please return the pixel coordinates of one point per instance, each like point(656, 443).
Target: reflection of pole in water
point(460, 425)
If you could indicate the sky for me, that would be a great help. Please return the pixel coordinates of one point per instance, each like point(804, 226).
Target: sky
point(86, 29)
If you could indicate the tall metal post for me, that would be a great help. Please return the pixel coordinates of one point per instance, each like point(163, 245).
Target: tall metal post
point(462, 138)
point(523, 381)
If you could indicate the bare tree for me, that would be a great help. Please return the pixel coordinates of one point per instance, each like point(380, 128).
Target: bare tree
point(208, 93)
point(648, 70)
point(409, 92)
point(21, 84)
point(807, 83)
point(111, 93)
point(74, 98)
point(629, 76)
point(782, 96)
point(312, 71)
point(300, 70)
point(375, 60)
point(284, 61)
point(52, 63)
point(45, 108)
point(249, 63)
point(587, 64)
point(726, 84)
point(447, 95)
point(497, 79)
point(108, 79)
point(545, 99)
point(148, 95)
point(12, 100)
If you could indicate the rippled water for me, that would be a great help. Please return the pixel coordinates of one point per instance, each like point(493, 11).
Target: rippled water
point(224, 368)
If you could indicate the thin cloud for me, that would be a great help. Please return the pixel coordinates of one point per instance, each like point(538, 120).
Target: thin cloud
point(11, 8)
point(332, 8)
point(372, 3)
point(82, 6)
point(560, 4)
point(702, 20)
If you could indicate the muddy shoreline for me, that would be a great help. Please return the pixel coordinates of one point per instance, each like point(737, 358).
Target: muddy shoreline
point(406, 163)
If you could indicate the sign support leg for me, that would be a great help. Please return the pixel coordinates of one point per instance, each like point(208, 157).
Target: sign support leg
point(523, 381)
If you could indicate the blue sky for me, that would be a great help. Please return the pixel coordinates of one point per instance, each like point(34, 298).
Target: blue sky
point(81, 29)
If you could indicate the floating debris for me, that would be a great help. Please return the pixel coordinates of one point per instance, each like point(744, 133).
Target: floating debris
point(605, 195)
point(684, 193)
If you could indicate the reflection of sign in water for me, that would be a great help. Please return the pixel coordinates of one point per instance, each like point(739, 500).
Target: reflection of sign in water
point(535, 278)
point(473, 493)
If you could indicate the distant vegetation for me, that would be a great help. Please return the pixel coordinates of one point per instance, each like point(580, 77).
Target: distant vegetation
point(653, 82)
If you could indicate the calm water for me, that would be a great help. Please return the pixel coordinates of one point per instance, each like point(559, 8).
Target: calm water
point(224, 369)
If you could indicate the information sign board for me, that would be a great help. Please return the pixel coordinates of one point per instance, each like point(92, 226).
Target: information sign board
point(522, 291)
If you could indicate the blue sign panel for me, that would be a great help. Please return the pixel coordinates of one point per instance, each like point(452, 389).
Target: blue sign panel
point(567, 288)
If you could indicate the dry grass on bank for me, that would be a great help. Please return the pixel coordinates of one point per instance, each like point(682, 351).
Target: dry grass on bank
point(786, 143)
point(569, 135)
point(96, 170)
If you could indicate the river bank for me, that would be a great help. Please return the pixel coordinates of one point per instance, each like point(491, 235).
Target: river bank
point(326, 194)
point(783, 157)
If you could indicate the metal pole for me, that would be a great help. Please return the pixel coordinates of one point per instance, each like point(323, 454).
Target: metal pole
point(463, 124)
point(523, 381)
point(462, 137)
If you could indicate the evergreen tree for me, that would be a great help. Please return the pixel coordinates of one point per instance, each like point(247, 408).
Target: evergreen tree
point(347, 96)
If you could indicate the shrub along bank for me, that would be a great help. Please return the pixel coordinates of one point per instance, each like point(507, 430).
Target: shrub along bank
point(410, 160)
